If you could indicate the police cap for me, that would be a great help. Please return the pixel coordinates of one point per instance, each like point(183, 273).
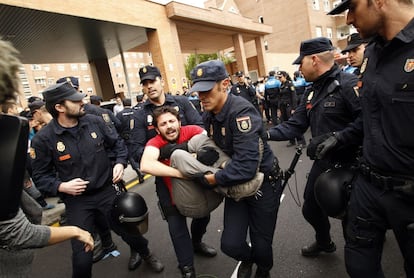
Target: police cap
point(206, 74)
point(72, 80)
point(61, 91)
point(239, 73)
point(36, 105)
point(354, 40)
point(313, 46)
point(341, 7)
point(95, 99)
point(149, 73)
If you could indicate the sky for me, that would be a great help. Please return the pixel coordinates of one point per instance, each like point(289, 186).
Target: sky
point(197, 3)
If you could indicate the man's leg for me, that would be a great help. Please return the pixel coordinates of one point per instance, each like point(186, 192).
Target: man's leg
point(316, 216)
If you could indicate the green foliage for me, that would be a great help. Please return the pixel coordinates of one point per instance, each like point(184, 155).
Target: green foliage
point(195, 59)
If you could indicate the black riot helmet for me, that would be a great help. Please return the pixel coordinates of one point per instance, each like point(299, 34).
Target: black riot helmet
point(332, 190)
point(130, 212)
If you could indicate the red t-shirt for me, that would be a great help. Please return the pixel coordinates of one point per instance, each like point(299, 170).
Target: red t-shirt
point(186, 133)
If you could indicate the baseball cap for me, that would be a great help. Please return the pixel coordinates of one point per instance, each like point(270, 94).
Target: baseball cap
point(354, 40)
point(61, 91)
point(72, 80)
point(313, 46)
point(149, 73)
point(206, 74)
point(340, 8)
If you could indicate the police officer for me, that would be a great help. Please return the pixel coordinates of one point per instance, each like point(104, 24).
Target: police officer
point(143, 131)
point(126, 120)
point(383, 194)
point(244, 89)
point(102, 236)
point(272, 90)
point(288, 103)
point(355, 49)
point(328, 109)
point(70, 157)
point(236, 128)
point(301, 85)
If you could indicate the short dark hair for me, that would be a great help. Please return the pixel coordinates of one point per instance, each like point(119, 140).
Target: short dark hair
point(163, 110)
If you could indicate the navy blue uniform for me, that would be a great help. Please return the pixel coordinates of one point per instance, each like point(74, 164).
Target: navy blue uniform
point(61, 154)
point(143, 131)
point(237, 130)
point(377, 203)
point(272, 90)
point(331, 105)
point(246, 91)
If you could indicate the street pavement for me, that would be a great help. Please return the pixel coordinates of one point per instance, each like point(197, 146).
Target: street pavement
point(292, 232)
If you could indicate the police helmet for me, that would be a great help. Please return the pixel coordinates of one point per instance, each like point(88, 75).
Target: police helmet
point(130, 212)
point(332, 190)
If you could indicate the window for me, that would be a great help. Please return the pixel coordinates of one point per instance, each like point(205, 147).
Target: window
point(40, 81)
point(86, 78)
point(318, 31)
point(126, 55)
point(74, 67)
point(134, 55)
point(315, 4)
point(89, 90)
point(61, 67)
point(342, 32)
point(118, 75)
point(261, 19)
point(36, 67)
point(46, 67)
point(84, 66)
point(329, 32)
point(326, 5)
point(50, 81)
point(140, 55)
point(266, 45)
point(117, 64)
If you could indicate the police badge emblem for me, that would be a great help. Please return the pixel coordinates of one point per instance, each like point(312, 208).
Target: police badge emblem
point(244, 124)
point(409, 65)
point(144, 70)
point(93, 135)
point(60, 146)
point(32, 153)
point(199, 72)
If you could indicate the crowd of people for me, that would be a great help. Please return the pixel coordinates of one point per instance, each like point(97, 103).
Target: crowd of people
point(359, 120)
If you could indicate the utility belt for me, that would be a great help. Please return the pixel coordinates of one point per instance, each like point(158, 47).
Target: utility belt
point(401, 184)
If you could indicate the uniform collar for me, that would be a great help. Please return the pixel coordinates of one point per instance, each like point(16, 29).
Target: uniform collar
point(169, 99)
point(407, 34)
point(330, 74)
point(59, 130)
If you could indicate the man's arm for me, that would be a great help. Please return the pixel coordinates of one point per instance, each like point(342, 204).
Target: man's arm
point(151, 165)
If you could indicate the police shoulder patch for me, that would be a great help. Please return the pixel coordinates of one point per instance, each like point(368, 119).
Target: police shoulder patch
point(244, 124)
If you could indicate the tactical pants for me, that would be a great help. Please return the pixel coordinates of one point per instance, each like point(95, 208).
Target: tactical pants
point(372, 210)
point(81, 211)
point(256, 215)
point(311, 209)
point(177, 226)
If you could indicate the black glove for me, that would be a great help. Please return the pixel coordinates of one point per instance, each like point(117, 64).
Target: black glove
point(200, 178)
point(207, 155)
point(167, 150)
point(314, 143)
point(323, 148)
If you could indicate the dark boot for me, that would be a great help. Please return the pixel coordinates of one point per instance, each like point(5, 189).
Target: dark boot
point(245, 269)
point(134, 260)
point(315, 249)
point(203, 249)
point(188, 272)
point(154, 263)
point(260, 273)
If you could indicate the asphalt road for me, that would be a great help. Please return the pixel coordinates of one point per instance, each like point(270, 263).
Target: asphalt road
point(292, 232)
